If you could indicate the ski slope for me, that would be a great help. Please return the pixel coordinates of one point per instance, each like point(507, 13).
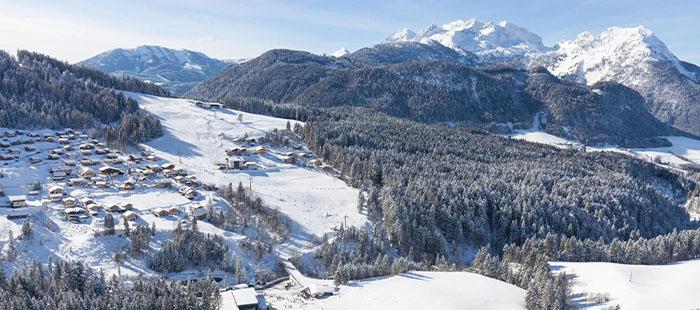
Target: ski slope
point(640, 287)
point(425, 290)
point(195, 139)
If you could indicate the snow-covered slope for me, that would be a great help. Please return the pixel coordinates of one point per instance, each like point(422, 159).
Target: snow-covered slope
point(486, 39)
point(414, 290)
point(640, 287)
point(176, 70)
point(196, 139)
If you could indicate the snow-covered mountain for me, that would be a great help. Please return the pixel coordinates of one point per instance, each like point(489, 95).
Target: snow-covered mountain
point(175, 70)
point(638, 59)
point(633, 56)
point(488, 40)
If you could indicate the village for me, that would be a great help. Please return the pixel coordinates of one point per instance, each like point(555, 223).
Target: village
point(76, 180)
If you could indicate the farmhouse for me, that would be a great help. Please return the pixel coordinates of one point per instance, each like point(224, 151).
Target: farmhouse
point(160, 212)
point(198, 211)
point(70, 201)
point(17, 201)
point(128, 185)
point(53, 190)
point(110, 171)
point(76, 181)
point(87, 173)
point(130, 216)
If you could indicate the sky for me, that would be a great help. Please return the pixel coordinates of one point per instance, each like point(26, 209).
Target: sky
point(74, 30)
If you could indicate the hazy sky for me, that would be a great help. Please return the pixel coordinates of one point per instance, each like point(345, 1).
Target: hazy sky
point(74, 30)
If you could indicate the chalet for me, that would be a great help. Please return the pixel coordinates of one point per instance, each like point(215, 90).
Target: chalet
point(70, 201)
point(169, 172)
point(198, 211)
point(100, 184)
point(94, 207)
point(146, 172)
point(53, 156)
point(160, 212)
point(58, 175)
point(134, 158)
point(56, 197)
point(6, 157)
point(315, 163)
point(82, 136)
point(128, 185)
point(86, 152)
point(130, 216)
point(63, 141)
point(76, 181)
point(111, 156)
point(86, 172)
point(110, 171)
point(29, 149)
point(260, 150)
point(48, 138)
point(86, 201)
point(58, 151)
point(73, 212)
point(251, 140)
point(151, 157)
point(170, 166)
point(155, 168)
point(68, 148)
point(94, 141)
point(34, 160)
point(4, 145)
point(72, 155)
point(56, 190)
point(173, 210)
point(9, 134)
point(17, 201)
point(86, 147)
point(113, 208)
point(88, 162)
point(236, 151)
point(244, 298)
point(287, 159)
point(179, 179)
point(101, 151)
point(126, 206)
point(235, 162)
point(208, 105)
point(70, 163)
point(180, 171)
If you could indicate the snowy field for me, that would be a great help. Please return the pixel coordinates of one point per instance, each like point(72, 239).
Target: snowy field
point(683, 151)
point(196, 138)
point(412, 290)
point(674, 286)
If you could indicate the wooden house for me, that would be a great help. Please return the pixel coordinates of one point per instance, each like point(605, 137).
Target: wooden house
point(130, 216)
point(17, 201)
point(160, 212)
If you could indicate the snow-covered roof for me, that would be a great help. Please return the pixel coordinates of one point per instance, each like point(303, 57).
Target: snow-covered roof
point(245, 296)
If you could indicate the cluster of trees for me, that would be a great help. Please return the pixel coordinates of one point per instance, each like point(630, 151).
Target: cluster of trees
point(190, 247)
point(72, 285)
point(271, 226)
point(431, 186)
point(40, 92)
point(664, 249)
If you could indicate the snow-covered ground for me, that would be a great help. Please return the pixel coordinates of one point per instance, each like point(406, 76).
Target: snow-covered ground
point(684, 150)
point(196, 138)
point(672, 286)
point(412, 290)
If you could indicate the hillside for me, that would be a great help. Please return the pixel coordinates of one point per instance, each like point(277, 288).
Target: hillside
point(174, 70)
point(430, 83)
point(40, 92)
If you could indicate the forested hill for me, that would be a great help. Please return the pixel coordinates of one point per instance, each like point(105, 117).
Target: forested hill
point(429, 84)
point(435, 189)
point(37, 91)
